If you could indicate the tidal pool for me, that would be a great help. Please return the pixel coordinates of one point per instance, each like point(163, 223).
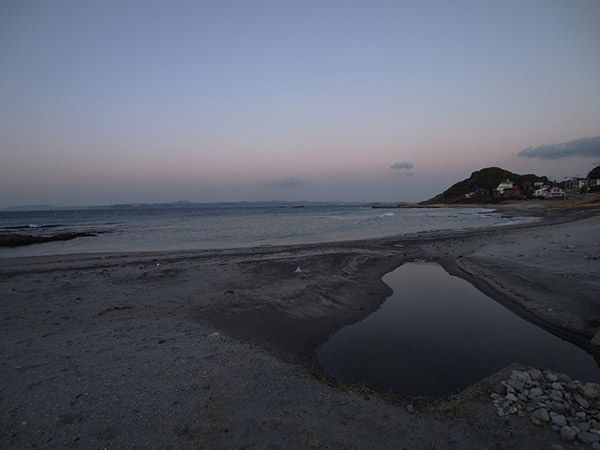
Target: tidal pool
point(437, 334)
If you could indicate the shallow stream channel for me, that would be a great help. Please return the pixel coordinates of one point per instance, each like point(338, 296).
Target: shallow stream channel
point(437, 334)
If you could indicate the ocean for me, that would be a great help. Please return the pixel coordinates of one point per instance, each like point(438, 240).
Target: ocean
point(138, 229)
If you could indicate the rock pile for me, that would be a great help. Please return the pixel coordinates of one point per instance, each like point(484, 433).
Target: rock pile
point(551, 399)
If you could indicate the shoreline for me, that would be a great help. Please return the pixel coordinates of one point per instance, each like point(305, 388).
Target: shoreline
point(19, 245)
point(84, 322)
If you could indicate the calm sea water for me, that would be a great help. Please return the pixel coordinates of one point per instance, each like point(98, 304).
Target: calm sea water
point(225, 227)
point(437, 334)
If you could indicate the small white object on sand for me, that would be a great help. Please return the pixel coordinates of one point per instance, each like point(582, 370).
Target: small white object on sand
point(298, 270)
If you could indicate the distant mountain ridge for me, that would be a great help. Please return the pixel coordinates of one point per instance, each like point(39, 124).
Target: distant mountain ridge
point(176, 204)
point(481, 186)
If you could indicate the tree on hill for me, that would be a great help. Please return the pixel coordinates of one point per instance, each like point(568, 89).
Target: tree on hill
point(481, 186)
point(594, 173)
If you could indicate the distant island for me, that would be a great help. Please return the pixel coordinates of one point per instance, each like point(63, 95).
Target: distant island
point(179, 204)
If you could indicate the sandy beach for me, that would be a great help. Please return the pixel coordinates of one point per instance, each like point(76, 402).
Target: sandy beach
point(215, 348)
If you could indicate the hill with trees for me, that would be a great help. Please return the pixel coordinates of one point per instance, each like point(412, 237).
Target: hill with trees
point(481, 186)
point(594, 173)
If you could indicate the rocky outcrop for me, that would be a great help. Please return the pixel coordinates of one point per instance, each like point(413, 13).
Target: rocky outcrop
point(18, 240)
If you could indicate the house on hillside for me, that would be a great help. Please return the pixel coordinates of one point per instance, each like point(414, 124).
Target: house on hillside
point(512, 192)
point(504, 185)
point(541, 192)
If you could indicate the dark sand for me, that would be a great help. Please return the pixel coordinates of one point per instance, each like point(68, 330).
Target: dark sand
point(214, 349)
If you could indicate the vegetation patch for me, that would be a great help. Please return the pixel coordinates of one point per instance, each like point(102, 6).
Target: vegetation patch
point(481, 186)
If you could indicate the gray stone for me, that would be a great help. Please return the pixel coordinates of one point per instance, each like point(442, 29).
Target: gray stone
point(556, 395)
point(551, 377)
point(559, 420)
point(556, 447)
point(511, 397)
point(572, 386)
point(587, 437)
point(508, 387)
point(584, 426)
point(520, 376)
point(500, 412)
point(499, 389)
point(563, 377)
point(581, 401)
point(567, 433)
point(517, 385)
point(596, 339)
point(535, 374)
point(590, 390)
point(558, 386)
point(535, 392)
point(540, 416)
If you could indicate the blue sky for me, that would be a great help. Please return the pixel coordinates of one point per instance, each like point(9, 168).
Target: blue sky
point(143, 101)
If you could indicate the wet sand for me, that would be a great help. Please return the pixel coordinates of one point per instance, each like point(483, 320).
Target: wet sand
point(214, 349)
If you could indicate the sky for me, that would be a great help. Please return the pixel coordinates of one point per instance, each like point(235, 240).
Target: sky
point(155, 101)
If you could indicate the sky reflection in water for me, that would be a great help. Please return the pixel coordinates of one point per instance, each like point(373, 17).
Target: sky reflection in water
point(437, 334)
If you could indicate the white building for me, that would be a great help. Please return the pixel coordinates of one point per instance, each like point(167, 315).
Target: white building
point(554, 192)
point(504, 185)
